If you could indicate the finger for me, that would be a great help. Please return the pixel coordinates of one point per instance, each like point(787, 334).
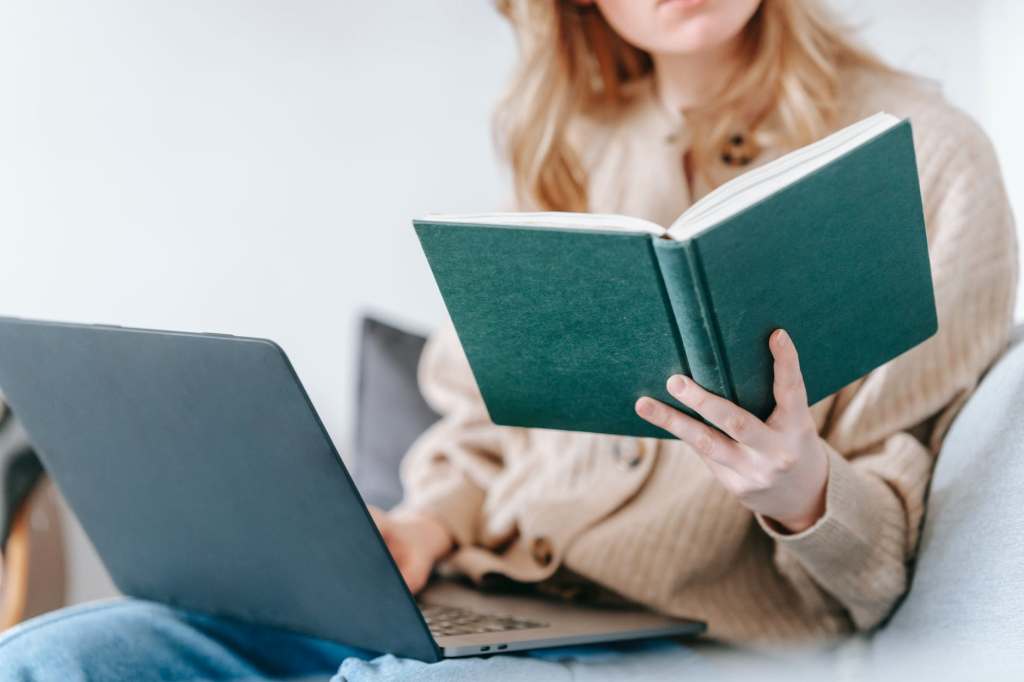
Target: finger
point(405, 560)
point(408, 576)
point(729, 417)
point(382, 521)
point(708, 443)
point(789, 389)
point(415, 573)
point(730, 480)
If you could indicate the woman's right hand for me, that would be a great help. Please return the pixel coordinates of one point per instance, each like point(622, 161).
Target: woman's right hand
point(416, 542)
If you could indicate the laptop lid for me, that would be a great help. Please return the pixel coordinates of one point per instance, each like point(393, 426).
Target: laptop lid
point(201, 472)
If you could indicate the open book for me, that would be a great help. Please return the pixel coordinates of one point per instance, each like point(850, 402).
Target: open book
point(567, 318)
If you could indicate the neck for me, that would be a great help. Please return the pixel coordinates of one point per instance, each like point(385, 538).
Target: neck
point(687, 81)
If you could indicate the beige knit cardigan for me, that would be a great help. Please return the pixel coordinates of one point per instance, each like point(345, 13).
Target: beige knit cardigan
point(643, 517)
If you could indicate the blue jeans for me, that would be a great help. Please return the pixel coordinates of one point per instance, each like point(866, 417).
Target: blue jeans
point(134, 640)
point(129, 639)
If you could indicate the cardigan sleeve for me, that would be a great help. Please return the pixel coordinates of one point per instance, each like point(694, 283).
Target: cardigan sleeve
point(885, 429)
point(447, 470)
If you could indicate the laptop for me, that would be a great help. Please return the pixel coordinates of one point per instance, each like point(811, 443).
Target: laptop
point(203, 476)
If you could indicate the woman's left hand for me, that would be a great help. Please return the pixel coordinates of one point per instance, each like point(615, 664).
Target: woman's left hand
point(777, 468)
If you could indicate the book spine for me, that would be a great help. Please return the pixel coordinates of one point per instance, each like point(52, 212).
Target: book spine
point(683, 275)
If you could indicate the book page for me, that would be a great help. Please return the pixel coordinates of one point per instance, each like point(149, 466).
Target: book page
point(553, 219)
point(749, 188)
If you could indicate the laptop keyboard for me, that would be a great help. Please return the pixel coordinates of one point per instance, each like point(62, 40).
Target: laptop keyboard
point(445, 621)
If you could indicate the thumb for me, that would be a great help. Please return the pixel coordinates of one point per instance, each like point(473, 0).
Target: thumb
point(415, 570)
point(384, 523)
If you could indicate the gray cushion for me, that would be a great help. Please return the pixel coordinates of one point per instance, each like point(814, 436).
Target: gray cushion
point(968, 588)
point(390, 411)
point(19, 470)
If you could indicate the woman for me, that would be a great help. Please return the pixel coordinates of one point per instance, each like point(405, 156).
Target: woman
point(798, 527)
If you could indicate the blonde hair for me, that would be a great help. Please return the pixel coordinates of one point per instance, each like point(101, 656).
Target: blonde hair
point(573, 63)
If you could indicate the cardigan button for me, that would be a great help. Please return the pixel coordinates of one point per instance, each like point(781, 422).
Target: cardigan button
point(628, 453)
point(739, 150)
point(542, 551)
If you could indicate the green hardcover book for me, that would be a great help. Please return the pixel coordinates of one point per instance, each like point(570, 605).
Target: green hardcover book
point(566, 319)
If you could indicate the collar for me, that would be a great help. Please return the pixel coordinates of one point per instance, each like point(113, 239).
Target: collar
point(652, 118)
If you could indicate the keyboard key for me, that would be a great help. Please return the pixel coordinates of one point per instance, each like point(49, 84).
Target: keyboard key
point(445, 621)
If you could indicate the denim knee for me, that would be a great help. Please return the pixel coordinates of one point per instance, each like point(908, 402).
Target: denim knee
point(77, 643)
point(129, 639)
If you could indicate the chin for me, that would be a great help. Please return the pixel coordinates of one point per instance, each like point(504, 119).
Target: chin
point(678, 26)
point(696, 34)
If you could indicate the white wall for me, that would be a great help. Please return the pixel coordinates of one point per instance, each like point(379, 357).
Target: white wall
point(1002, 103)
point(250, 166)
point(240, 166)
